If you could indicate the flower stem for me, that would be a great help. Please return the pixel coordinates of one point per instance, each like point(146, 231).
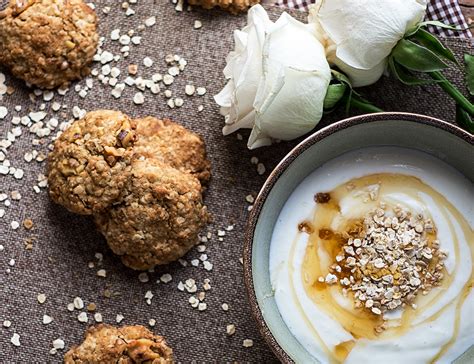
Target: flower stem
point(452, 91)
point(362, 105)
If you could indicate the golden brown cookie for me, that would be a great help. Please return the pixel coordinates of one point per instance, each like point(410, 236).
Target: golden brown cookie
point(91, 162)
point(48, 43)
point(159, 218)
point(233, 6)
point(106, 344)
point(173, 144)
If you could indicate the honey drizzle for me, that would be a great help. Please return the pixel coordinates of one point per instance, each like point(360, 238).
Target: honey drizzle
point(359, 323)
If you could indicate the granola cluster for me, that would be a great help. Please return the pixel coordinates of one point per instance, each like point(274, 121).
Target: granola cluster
point(388, 260)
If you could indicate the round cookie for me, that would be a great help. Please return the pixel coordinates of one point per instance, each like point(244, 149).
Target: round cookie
point(159, 218)
point(91, 162)
point(48, 43)
point(127, 344)
point(173, 144)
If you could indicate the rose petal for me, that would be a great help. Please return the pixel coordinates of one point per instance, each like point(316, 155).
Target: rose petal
point(365, 31)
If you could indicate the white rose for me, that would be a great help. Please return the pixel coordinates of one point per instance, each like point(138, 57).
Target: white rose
point(278, 79)
point(362, 33)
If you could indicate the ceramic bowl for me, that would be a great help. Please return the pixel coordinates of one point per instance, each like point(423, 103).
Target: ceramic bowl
point(438, 138)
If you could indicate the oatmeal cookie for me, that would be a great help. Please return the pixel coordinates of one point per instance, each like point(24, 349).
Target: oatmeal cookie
point(173, 144)
point(159, 218)
point(233, 6)
point(48, 43)
point(107, 344)
point(91, 162)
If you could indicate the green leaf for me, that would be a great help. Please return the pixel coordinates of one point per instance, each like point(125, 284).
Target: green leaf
point(405, 76)
point(341, 77)
point(416, 57)
point(439, 24)
point(434, 45)
point(334, 94)
point(469, 62)
point(464, 119)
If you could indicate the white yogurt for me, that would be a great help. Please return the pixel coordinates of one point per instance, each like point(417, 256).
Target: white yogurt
point(312, 327)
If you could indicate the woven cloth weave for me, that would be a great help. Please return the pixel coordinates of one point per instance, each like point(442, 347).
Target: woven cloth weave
point(447, 11)
point(63, 244)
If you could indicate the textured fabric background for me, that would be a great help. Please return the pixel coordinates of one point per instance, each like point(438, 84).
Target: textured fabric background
point(447, 11)
point(64, 243)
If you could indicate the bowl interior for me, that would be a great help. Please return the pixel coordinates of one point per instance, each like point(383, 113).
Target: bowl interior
point(398, 130)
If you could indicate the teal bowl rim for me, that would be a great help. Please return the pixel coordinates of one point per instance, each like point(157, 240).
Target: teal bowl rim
point(280, 169)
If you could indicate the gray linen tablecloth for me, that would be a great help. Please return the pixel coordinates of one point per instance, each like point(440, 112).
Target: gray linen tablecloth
point(63, 244)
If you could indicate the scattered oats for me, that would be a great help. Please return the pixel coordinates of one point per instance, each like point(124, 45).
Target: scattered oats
point(157, 77)
point(105, 70)
point(91, 307)
point(178, 102)
point(70, 307)
point(7, 323)
point(247, 343)
point(48, 95)
point(78, 303)
point(149, 22)
point(193, 301)
point(53, 351)
point(155, 88)
point(37, 116)
point(3, 112)
point(168, 93)
point(180, 286)
point(129, 12)
point(207, 265)
point(202, 306)
point(168, 79)
point(201, 248)
point(58, 344)
point(197, 24)
point(260, 169)
point(47, 319)
point(143, 277)
point(106, 57)
point(56, 106)
point(249, 199)
point(170, 103)
point(15, 225)
point(147, 62)
point(166, 278)
point(189, 90)
point(200, 108)
point(152, 322)
point(98, 317)
point(82, 317)
point(136, 40)
point(117, 91)
point(132, 69)
point(201, 91)
point(115, 34)
point(173, 71)
point(195, 262)
point(203, 257)
point(15, 340)
point(230, 329)
point(102, 273)
point(139, 98)
point(148, 297)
